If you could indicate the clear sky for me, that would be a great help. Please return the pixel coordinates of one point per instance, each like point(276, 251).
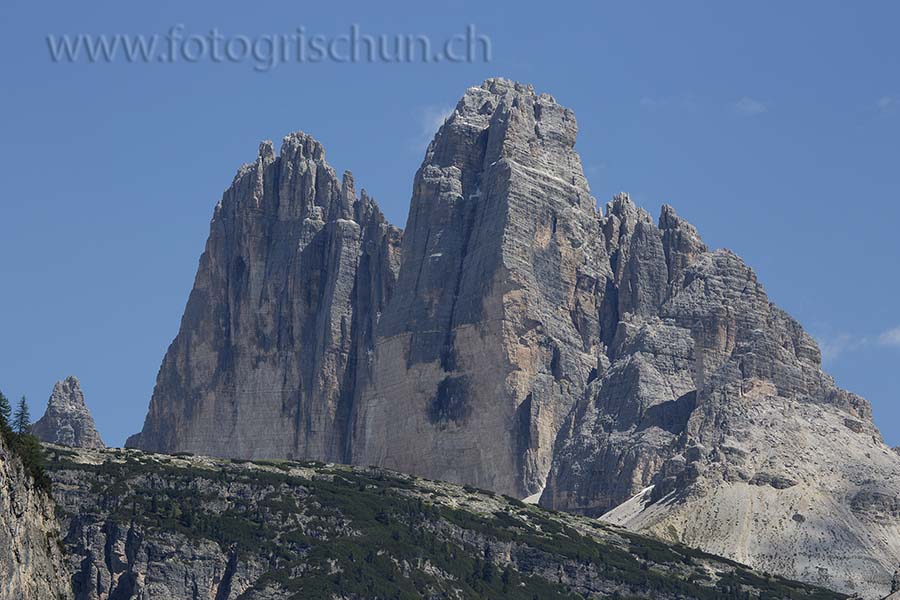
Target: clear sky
point(772, 126)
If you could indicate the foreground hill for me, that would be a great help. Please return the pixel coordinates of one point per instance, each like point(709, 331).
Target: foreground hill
point(156, 526)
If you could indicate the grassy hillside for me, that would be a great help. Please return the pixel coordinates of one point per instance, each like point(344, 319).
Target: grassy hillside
point(158, 524)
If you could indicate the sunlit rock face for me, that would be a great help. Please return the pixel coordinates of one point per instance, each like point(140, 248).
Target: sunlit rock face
point(712, 423)
point(495, 325)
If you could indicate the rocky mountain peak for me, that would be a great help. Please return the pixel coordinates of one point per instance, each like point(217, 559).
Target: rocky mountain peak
point(681, 243)
point(277, 329)
point(489, 338)
point(299, 145)
point(711, 403)
point(67, 420)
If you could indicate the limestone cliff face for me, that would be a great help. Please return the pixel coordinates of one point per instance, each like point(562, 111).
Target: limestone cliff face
point(32, 566)
point(67, 420)
point(494, 327)
point(716, 398)
point(280, 321)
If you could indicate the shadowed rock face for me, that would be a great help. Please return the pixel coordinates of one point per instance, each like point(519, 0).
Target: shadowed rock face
point(280, 323)
point(519, 340)
point(67, 420)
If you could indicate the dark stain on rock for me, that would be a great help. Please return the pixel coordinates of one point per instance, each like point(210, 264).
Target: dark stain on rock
point(451, 402)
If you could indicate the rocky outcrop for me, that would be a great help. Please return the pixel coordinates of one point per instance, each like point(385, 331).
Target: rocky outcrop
point(712, 423)
point(67, 420)
point(162, 527)
point(31, 559)
point(279, 327)
point(494, 327)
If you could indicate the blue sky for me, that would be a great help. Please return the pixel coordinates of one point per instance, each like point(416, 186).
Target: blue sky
point(773, 127)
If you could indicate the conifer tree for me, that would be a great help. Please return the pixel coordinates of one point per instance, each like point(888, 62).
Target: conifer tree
point(22, 418)
point(5, 411)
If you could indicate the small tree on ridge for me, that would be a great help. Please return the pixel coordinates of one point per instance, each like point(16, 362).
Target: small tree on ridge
point(5, 411)
point(22, 418)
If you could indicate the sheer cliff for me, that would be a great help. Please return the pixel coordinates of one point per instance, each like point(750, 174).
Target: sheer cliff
point(293, 344)
point(494, 328)
point(280, 322)
point(32, 564)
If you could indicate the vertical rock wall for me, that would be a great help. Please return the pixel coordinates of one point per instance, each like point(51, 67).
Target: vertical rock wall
point(279, 324)
point(32, 566)
point(494, 328)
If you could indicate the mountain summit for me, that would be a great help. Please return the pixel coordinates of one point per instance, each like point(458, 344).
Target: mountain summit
point(67, 420)
point(517, 339)
point(280, 323)
point(495, 326)
point(711, 423)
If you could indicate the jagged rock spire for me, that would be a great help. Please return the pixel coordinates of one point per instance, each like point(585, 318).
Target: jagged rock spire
point(67, 420)
point(280, 322)
point(493, 330)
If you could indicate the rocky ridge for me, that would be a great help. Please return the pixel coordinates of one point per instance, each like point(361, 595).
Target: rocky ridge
point(711, 423)
point(67, 420)
point(155, 526)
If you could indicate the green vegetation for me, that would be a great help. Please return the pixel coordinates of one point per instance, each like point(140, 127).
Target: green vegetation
point(371, 534)
point(22, 418)
point(17, 437)
point(5, 411)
